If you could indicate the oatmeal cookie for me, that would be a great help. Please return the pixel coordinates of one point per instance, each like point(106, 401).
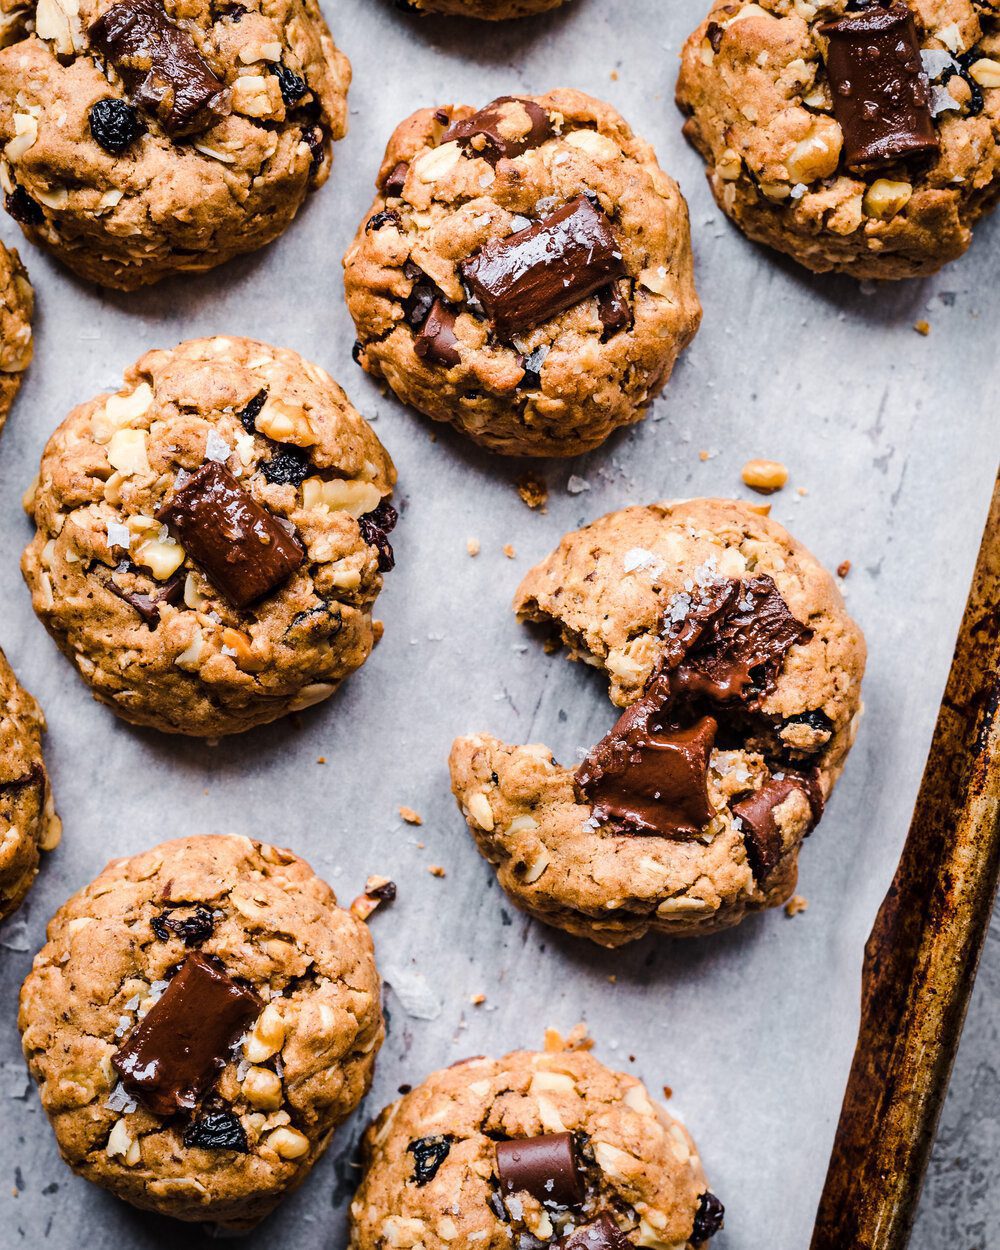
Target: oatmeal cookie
point(857, 137)
point(740, 672)
point(524, 273)
point(540, 1149)
point(17, 305)
point(27, 815)
point(211, 540)
point(201, 1018)
point(488, 10)
point(138, 141)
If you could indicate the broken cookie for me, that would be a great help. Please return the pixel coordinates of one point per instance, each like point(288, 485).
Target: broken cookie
point(17, 306)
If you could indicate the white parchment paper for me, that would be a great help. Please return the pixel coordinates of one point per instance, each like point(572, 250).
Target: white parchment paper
point(895, 438)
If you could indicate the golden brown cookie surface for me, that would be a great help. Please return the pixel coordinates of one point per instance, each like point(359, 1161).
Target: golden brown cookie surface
point(17, 302)
point(487, 10)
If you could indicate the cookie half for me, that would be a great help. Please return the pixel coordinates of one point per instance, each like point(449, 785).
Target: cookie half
point(27, 814)
point(17, 306)
point(211, 539)
point(524, 273)
point(853, 137)
point(201, 1018)
point(487, 10)
point(740, 671)
point(535, 1149)
point(141, 140)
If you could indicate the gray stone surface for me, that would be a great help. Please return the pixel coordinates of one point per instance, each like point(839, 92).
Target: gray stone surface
point(894, 436)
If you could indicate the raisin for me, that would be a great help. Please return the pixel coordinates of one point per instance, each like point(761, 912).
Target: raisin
point(380, 220)
point(814, 718)
point(115, 125)
point(288, 468)
point(374, 528)
point(708, 1219)
point(248, 416)
point(217, 1130)
point(313, 136)
point(356, 351)
point(192, 929)
point(293, 88)
point(428, 1155)
point(23, 208)
point(714, 33)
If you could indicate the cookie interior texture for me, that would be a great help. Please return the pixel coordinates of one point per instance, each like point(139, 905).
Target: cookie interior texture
point(17, 305)
point(488, 10)
point(125, 191)
point(153, 629)
point(432, 1179)
point(27, 814)
point(260, 917)
point(450, 194)
point(615, 593)
point(761, 110)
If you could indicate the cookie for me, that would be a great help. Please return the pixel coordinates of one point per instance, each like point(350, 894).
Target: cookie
point(524, 273)
point(211, 540)
point(534, 1149)
point(201, 1018)
point(853, 136)
point(17, 305)
point(740, 672)
point(27, 815)
point(139, 141)
point(488, 10)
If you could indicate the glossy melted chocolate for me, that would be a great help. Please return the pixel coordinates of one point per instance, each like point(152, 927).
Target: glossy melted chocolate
point(499, 129)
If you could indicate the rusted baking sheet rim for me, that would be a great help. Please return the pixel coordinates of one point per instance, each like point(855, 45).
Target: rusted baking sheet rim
point(921, 958)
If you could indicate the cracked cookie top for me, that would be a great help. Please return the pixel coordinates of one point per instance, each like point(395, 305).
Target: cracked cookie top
point(211, 539)
point(253, 1004)
point(17, 304)
point(138, 140)
point(524, 273)
point(527, 1150)
point(854, 136)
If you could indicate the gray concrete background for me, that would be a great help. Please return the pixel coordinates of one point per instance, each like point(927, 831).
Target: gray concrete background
point(893, 435)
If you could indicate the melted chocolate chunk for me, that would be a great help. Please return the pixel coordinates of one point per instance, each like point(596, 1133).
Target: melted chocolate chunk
point(761, 835)
point(481, 134)
point(714, 33)
point(35, 776)
point(544, 1167)
point(375, 526)
point(290, 467)
point(192, 929)
point(881, 97)
point(600, 1234)
point(217, 1130)
point(23, 208)
point(613, 309)
point(533, 275)
point(532, 366)
point(436, 340)
point(420, 300)
point(396, 179)
point(428, 1155)
point(291, 85)
point(386, 218)
point(115, 125)
point(709, 1218)
point(147, 605)
point(161, 63)
point(248, 415)
point(171, 1057)
point(241, 547)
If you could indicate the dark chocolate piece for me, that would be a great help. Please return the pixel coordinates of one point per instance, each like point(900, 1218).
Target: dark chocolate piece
point(241, 547)
point(147, 605)
point(436, 340)
point(600, 1234)
point(544, 1167)
point(709, 1218)
point(396, 179)
point(35, 776)
point(533, 275)
point(714, 33)
point(532, 366)
point(115, 125)
point(375, 526)
point(161, 64)
point(170, 1059)
point(761, 835)
point(217, 1130)
point(613, 309)
point(24, 210)
point(881, 97)
point(428, 1155)
point(248, 415)
point(290, 467)
point(291, 85)
point(423, 293)
point(192, 929)
point(480, 134)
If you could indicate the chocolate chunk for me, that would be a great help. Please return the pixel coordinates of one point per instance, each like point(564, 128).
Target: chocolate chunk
point(217, 1130)
point(533, 275)
point(172, 1056)
point(147, 605)
point(248, 415)
point(613, 309)
point(708, 1219)
point(115, 125)
point(428, 1155)
point(649, 777)
point(545, 1167)
point(480, 134)
point(315, 139)
point(396, 179)
point(386, 218)
point(761, 834)
point(436, 340)
point(290, 84)
point(161, 64)
point(881, 96)
point(418, 304)
point(192, 929)
point(242, 548)
point(600, 1234)
point(532, 366)
point(714, 33)
point(290, 467)
point(24, 210)
point(374, 527)
point(35, 776)
point(385, 893)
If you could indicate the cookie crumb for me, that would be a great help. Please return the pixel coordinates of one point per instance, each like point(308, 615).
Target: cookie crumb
point(534, 492)
point(437, 871)
point(761, 509)
point(612, 979)
point(378, 890)
point(472, 546)
point(801, 491)
point(578, 1038)
point(843, 568)
point(509, 551)
point(614, 75)
point(765, 476)
point(410, 816)
point(704, 455)
point(576, 485)
point(667, 1092)
point(922, 327)
point(477, 1000)
point(795, 905)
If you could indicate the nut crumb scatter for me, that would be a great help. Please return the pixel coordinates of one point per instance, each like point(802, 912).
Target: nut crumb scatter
point(765, 476)
point(533, 492)
point(843, 568)
point(922, 327)
point(477, 1000)
point(795, 905)
point(509, 551)
point(472, 546)
point(410, 816)
point(437, 871)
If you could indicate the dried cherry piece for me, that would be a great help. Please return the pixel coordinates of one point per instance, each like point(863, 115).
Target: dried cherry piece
point(708, 1219)
point(217, 1130)
point(23, 208)
point(192, 929)
point(115, 125)
point(292, 86)
point(428, 1155)
point(289, 467)
point(248, 415)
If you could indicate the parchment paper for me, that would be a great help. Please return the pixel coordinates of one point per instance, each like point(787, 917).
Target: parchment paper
point(895, 438)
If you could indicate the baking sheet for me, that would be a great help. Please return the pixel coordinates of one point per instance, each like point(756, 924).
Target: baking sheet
point(893, 435)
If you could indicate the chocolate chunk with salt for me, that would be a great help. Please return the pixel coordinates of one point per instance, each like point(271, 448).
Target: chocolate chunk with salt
point(881, 96)
point(600, 1234)
point(545, 1167)
point(539, 272)
point(396, 179)
point(436, 340)
point(171, 1058)
point(147, 605)
point(761, 834)
point(161, 64)
point(613, 309)
point(499, 129)
point(708, 1219)
point(241, 547)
